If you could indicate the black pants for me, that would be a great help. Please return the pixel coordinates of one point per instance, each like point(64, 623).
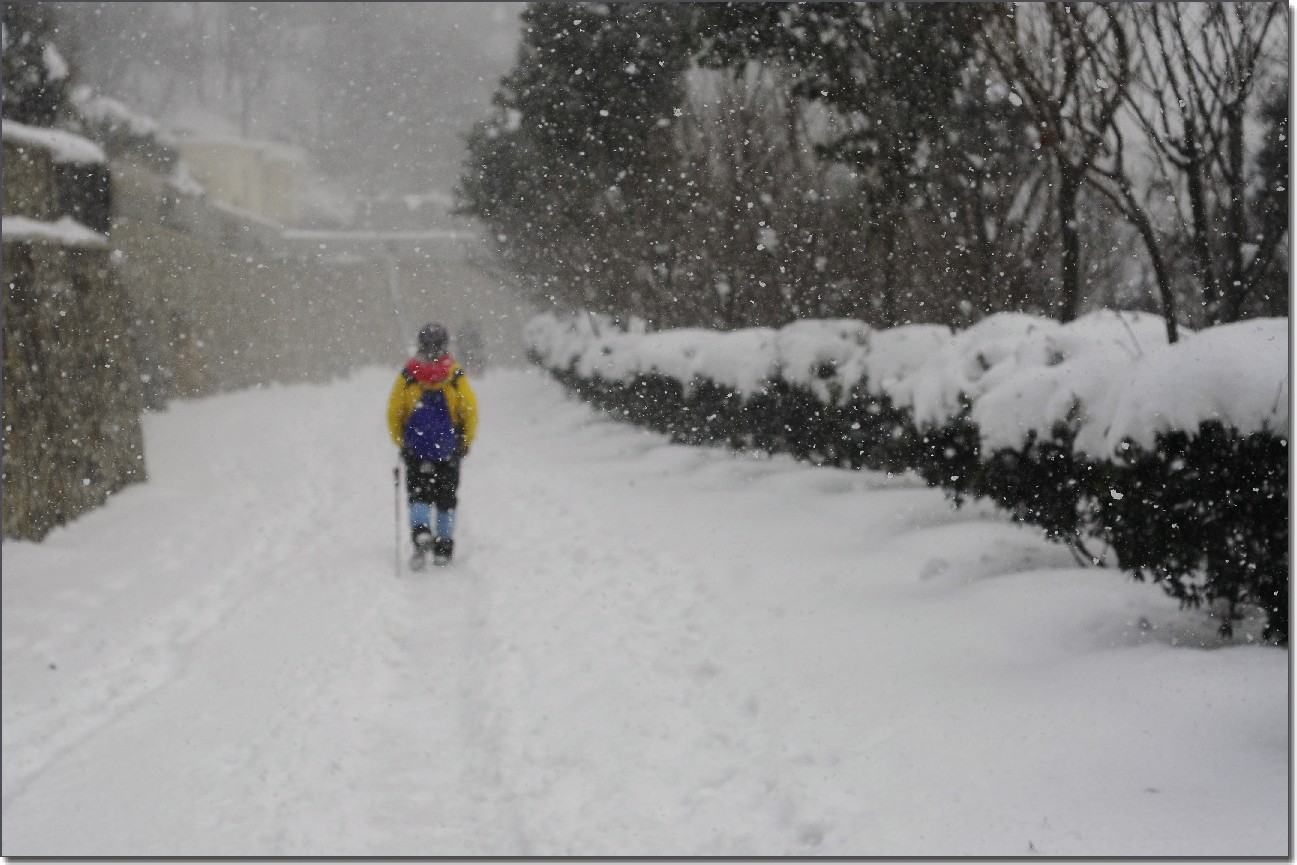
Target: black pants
point(434, 482)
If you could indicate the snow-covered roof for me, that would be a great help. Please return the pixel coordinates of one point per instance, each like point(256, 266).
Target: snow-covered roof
point(63, 146)
point(66, 231)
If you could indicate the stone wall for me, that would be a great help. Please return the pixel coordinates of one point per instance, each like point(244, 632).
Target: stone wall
point(71, 400)
point(71, 406)
point(210, 320)
point(30, 188)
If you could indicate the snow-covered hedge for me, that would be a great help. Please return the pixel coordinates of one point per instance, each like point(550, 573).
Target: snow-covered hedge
point(1176, 456)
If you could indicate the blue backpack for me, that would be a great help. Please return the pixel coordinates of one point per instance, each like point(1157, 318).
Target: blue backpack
point(430, 432)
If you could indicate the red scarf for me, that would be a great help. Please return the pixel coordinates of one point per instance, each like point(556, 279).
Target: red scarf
point(430, 371)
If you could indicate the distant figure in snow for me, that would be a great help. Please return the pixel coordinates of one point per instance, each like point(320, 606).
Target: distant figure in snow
point(471, 347)
point(432, 416)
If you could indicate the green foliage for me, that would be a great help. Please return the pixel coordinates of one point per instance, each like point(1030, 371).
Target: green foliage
point(1206, 515)
point(1043, 483)
point(741, 164)
point(584, 126)
point(31, 93)
point(892, 68)
point(595, 87)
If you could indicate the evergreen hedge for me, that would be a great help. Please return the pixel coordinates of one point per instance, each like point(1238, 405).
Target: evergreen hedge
point(1204, 513)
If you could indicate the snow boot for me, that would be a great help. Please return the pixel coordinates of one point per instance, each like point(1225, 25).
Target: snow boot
point(423, 544)
point(442, 550)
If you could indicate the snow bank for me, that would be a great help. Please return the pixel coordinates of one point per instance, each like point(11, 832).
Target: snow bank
point(63, 146)
point(66, 231)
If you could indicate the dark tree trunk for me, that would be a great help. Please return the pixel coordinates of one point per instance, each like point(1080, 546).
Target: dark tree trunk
point(1211, 290)
point(1068, 187)
point(1235, 288)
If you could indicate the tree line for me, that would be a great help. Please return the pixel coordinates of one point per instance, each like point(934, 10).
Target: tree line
point(734, 165)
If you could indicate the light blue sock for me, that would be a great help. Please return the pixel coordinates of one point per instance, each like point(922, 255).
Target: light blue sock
point(446, 524)
point(420, 514)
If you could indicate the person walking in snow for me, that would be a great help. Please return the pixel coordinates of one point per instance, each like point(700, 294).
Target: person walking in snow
point(470, 347)
point(432, 416)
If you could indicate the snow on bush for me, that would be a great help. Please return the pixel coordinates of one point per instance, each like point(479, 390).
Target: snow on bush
point(743, 361)
point(895, 353)
point(1109, 376)
point(969, 363)
point(558, 344)
point(1174, 456)
point(826, 356)
point(114, 114)
point(1064, 374)
point(1236, 374)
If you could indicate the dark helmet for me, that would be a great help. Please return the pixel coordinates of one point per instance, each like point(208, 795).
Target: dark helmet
point(433, 339)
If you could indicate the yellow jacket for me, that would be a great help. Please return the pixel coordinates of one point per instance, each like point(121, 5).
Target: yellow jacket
point(419, 377)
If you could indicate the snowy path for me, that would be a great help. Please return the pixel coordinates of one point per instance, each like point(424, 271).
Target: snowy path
point(645, 649)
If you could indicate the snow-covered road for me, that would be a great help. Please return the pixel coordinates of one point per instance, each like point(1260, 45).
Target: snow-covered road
point(643, 649)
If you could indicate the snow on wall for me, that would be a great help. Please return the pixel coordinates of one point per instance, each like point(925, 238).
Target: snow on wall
point(66, 231)
point(63, 146)
point(1109, 376)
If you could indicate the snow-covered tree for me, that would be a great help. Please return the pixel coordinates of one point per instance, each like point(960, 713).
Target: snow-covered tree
point(35, 73)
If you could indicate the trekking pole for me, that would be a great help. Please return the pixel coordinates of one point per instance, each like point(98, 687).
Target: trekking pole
point(396, 492)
